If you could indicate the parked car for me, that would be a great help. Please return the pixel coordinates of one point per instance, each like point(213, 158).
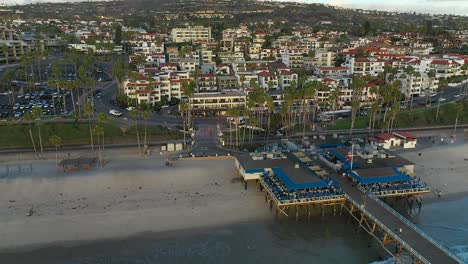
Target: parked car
point(115, 112)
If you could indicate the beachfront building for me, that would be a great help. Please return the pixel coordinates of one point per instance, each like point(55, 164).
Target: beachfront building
point(217, 103)
point(188, 34)
point(151, 89)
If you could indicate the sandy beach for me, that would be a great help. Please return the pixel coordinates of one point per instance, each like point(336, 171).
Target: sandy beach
point(444, 167)
point(132, 194)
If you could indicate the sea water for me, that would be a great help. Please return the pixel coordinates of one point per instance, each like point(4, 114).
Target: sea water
point(329, 239)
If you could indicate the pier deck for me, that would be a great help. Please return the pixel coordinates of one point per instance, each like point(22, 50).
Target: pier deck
point(420, 245)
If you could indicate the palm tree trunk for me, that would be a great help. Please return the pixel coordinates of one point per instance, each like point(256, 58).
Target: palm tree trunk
point(91, 134)
point(40, 137)
point(456, 123)
point(56, 156)
point(146, 128)
point(268, 127)
point(102, 152)
point(138, 136)
point(237, 132)
point(438, 108)
point(73, 102)
point(230, 133)
point(32, 139)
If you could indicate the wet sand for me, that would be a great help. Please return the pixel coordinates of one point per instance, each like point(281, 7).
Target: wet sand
point(444, 167)
point(129, 196)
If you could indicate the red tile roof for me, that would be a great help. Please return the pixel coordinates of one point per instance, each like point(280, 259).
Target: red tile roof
point(384, 136)
point(405, 134)
point(266, 74)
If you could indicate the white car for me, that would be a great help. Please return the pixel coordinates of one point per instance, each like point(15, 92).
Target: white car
point(458, 95)
point(164, 106)
point(130, 108)
point(442, 99)
point(115, 112)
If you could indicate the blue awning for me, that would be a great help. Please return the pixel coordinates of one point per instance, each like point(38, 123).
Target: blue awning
point(291, 186)
point(396, 177)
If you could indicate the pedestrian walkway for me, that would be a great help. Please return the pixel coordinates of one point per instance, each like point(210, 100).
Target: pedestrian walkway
point(415, 241)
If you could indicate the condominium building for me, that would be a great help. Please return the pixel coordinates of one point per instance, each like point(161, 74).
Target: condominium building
point(15, 47)
point(166, 85)
point(366, 66)
point(188, 34)
point(219, 102)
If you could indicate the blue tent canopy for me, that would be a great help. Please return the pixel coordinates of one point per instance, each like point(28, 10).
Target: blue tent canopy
point(254, 171)
point(396, 176)
point(291, 186)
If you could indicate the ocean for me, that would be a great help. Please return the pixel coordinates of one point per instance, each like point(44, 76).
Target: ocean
point(328, 239)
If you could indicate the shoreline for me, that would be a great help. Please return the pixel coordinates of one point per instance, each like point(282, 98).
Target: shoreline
point(115, 202)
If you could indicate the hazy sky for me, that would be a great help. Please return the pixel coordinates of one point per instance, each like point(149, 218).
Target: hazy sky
point(459, 7)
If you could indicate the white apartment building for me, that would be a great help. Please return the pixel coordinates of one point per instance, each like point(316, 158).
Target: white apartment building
point(286, 77)
point(366, 66)
point(219, 102)
point(194, 34)
point(325, 58)
point(417, 86)
point(148, 47)
point(16, 48)
point(292, 60)
point(163, 84)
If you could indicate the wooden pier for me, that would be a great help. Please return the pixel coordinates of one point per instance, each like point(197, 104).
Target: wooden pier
point(397, 235)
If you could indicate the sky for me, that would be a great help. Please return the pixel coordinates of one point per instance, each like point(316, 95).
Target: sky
point(458, 7)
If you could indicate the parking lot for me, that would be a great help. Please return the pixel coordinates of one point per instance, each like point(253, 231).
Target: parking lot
point(45, 98)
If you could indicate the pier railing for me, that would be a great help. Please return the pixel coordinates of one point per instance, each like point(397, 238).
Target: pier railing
point(416, 228)
point(402, 191)
point(387, 230)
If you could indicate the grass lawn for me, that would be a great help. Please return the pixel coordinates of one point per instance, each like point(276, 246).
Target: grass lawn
point(417, 118)
point(17, 135)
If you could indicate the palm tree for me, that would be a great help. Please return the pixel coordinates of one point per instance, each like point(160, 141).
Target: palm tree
point(5, 52)
point(102, 117)
point(71, 86)
point(30, 118)
point(183, 107)
point(55, 141)
point(118, 73)
point(37, 113)
point(270, 108)
point(89, 112)
point(431, 74)
point(358, 85)
point(146, 116)
point(459, 108)
point(188, 88)
point(289, 96)
point(373, 112)
point(7, 78)
point(334, 99)
point(56, 73)
point(442, 83)
point(135, 113)
point(409, 71)
point(99, 131)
